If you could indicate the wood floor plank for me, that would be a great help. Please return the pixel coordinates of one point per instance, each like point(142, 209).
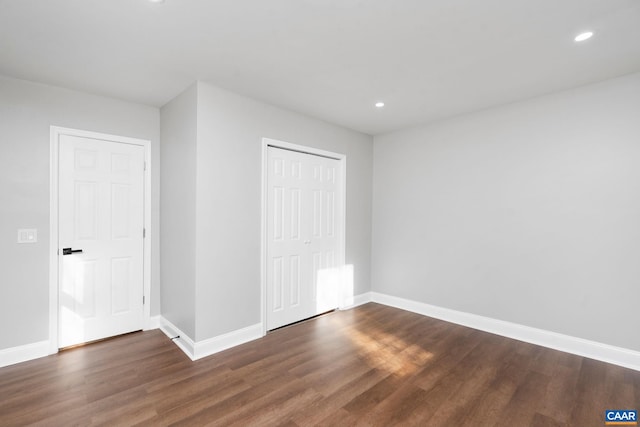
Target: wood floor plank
point(540, 420)
point(372, 365)
point(590, 402)
point(320, 411)
point(465, 385)
point(338, 418)
point(363, 403)
point(265, 405)
point(561, 393)
point(101, 409)
point(521, 409)
point(395, 409)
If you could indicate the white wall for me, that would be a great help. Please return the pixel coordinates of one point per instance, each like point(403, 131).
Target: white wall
point(528, 213)
point(230, 130)
point(178, 205)
point(27, 110)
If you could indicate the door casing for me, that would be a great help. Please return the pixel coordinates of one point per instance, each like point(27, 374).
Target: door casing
point(268, 142)
point(55, 133)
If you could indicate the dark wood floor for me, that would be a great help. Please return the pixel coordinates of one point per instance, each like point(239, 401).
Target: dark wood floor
point(373, 365)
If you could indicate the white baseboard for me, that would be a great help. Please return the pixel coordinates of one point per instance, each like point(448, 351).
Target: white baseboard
point(196, 350)
point(183, 341)
point(199, 349)
point(579, 346)
point(152, 323)
point(222, 342)
point(23, 353)
point(356, 300)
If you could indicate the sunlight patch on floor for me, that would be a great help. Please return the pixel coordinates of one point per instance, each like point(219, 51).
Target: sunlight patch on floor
point(389, 353)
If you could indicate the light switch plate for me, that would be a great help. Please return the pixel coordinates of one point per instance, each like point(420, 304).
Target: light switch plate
point(27, 235)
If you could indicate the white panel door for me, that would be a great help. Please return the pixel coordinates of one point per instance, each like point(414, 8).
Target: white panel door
point(303, 208)
point(101, 219)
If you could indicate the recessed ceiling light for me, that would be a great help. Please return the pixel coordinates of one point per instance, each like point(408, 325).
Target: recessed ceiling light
point(583, 36)
point(380, 104)
point(156, 1)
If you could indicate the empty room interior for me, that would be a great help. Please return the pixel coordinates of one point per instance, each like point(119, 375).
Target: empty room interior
point(320, 212)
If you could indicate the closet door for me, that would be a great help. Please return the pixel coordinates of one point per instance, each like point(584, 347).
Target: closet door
point(303, 236)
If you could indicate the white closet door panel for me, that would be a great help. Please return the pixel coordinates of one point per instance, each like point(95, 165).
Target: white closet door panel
point(302, 235)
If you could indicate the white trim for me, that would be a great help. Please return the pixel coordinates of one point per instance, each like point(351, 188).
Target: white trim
point(54, 259)
point(148, 232)
point(579, 346)
point(183, 341)
point(23, 353)
point(263, 236)
point(342, 158)
point(152, 323)
point(198, 350)
point(222, 342)
point(268, 142)
point(358, 300)
point(53, 240)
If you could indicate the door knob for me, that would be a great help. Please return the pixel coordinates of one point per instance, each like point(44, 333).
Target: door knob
point(307, 242)
point(69, 251)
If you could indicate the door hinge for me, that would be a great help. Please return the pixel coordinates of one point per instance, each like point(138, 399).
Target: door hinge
point(144, 233)
point(145, 165)
point(143, 299)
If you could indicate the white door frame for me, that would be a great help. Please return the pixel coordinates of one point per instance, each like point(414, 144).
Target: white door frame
point(342, 158)
point(55, 133)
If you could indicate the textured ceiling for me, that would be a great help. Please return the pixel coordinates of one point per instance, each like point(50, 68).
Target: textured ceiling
point(330, 59)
